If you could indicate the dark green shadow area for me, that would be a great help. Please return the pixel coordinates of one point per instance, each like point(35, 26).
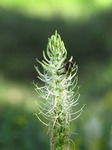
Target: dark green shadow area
point(22, 39)
point(20, 130)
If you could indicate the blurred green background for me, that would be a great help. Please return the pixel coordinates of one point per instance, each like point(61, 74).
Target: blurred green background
point(86, 29)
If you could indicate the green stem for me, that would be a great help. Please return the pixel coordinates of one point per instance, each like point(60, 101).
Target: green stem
point(59, 136)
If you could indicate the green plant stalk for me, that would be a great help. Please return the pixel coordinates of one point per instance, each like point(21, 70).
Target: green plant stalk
point(59, 95)
point(59, 137)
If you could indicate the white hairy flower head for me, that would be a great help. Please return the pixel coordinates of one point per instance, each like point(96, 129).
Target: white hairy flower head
point(59, 95)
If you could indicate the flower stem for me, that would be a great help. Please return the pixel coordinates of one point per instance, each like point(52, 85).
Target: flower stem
point(59, 137)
